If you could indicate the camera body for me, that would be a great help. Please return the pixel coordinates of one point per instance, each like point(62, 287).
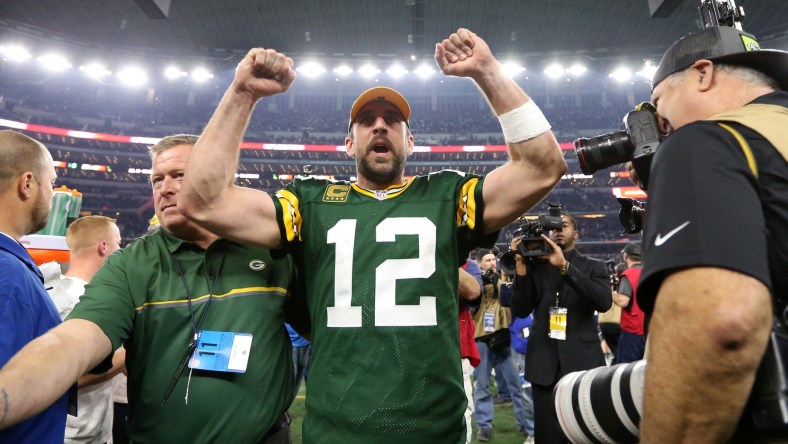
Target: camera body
point(489, 276)
point(636, 143)
point(532, 243)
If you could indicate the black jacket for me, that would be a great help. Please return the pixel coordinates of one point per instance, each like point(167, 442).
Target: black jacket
point(585, 289)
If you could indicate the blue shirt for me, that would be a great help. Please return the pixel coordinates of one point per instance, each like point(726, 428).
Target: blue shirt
point(27, 312)
point(296, 339)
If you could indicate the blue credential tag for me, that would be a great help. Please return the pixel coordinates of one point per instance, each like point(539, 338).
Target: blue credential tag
point(221, 351)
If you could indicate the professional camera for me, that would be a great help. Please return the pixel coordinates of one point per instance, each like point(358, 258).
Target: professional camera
point(611, 271)
point(631, 215)
point(532, 244)
point(637, 143)
point(489, 276)
point(601, 405)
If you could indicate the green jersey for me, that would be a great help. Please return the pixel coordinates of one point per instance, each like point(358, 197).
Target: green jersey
point(140, 298)
point(381, 276)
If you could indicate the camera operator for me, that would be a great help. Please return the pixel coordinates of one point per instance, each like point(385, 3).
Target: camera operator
point(716, 252)
point(631, 344)
point(565, 288)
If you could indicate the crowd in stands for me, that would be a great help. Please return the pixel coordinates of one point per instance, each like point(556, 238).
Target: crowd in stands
point(122, 192)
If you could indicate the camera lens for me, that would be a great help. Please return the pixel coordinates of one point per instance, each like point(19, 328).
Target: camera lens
point(600, 152)
point(601, 405)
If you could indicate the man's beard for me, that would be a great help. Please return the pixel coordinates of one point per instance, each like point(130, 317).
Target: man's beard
point(383, 172)
point(40, 215)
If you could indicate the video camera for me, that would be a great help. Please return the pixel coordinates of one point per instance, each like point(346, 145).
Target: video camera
point(533, 244)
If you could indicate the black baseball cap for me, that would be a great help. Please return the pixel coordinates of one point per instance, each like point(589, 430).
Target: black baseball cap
point(481, 252)
point(632, 250)
point(723, 44)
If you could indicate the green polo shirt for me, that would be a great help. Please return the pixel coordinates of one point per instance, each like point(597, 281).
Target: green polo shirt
point(139, 299)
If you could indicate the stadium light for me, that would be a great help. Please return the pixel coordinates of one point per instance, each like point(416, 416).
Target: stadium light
point(95, 70)
point(343, 70)
point(396, 71)
point(54, 62)
point(14, 53)
point(201, 75)
point(512, 69)
point(424, 71)
point(368, 71)
point(648, 70)
point(173, 72)
point(554, 71)
point(577, 70)
point(311, 69)
point(133, 76)
point(621, 74)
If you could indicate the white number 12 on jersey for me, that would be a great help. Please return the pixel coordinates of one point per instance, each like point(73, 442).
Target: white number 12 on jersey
point(387, 312)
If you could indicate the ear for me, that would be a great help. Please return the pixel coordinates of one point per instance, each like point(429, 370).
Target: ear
point(102, 248)
point(703, 72)
point(349, 147)
point(25, 185)
point(410, 143)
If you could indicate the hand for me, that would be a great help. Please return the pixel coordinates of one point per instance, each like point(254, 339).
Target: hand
point(555, 257)
point(263, 73)
point(633, 175)
point(464, 54)
point(516, 243)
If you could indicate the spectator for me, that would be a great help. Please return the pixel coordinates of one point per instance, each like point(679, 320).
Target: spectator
point(90, 240)
point(27, 177)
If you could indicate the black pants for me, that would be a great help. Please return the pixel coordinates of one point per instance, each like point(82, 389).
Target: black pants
point(119, 433)
point(546, 428)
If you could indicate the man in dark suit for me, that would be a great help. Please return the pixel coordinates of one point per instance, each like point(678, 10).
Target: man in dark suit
point(564, 288)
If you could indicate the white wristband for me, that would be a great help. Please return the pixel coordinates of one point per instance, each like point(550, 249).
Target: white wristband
point(523, 123)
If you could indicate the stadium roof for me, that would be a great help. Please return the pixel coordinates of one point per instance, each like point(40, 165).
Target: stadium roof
point(597, 29)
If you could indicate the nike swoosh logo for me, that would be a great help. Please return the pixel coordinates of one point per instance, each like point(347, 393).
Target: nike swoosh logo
point(662, 239)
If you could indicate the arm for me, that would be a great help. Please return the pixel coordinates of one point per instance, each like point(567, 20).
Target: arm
point(535, 165)
point(118, 366)
point(44, 369)
point(208, 194)
point(470, 286)
point(724, 318)
point(623, 296)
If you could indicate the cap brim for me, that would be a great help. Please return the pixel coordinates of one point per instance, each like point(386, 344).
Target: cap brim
point(380, 93)
point(772, 62)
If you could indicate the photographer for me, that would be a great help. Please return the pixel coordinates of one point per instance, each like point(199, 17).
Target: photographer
point(631, 344)
point(716, 252)
point(565, 288)
point(492, 320)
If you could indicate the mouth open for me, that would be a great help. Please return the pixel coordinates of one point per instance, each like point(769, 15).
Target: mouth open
point(381, 146)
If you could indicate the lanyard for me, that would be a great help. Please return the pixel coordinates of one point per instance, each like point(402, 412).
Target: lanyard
point(195, 325)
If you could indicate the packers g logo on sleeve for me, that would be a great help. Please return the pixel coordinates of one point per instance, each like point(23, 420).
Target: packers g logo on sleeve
point(336, 193)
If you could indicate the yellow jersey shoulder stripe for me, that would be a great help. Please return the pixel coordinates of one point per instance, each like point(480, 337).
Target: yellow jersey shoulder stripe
point(245, 291)
point(466, 205)
point(290, 214)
